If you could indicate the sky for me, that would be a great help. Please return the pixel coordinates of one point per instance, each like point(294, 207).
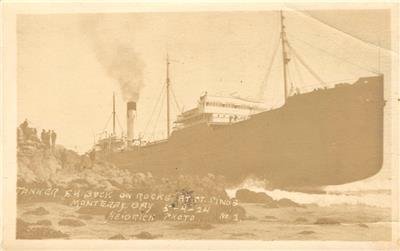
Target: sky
point(69, 65)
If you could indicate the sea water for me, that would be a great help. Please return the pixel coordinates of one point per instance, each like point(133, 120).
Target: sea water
point(374, 191)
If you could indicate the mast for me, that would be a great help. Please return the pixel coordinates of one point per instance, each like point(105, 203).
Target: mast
point(168, 123)
point(113, 113)
point(284, 55)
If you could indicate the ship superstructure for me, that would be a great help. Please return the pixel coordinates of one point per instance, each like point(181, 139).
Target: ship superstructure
point(219, 110)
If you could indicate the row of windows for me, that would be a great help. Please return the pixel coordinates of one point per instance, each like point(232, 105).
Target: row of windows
point(215, 115)
point(230, 105)
point(199, 117)
point(220, 115)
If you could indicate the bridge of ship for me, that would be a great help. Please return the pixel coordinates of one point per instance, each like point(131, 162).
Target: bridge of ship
point(218, 110)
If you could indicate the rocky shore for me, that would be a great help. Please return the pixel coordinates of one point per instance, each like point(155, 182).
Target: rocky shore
point(65, 195)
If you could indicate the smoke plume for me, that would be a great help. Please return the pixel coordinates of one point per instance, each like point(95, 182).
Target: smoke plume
point(115, 51)
point(126, 67)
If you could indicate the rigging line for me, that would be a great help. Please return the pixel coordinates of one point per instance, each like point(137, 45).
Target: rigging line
point(264, 84)
point(291, 80)
point(297, 69)
point(338, 58)
point(154, 108)
point(337, 29)
point(105, 127)
point(263, 87)
point(119, 123)
point(158, 116)
point(175, 99)
point(305, 64)
point(334, 42)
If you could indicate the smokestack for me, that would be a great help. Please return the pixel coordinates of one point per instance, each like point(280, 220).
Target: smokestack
point(130, 118)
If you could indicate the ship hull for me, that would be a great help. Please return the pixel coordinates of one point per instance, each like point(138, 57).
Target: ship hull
point(326, 137)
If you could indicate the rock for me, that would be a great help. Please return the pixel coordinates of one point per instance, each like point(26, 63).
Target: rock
point(85, 217)
point(363, 225)
point(145, 236)
point(65, 170)
point(79, 184)
point(327, 221)
point(250, 217)
point(234, 213)
point(300, 220)
point(306, 232)
point(71, 222)
point(94, 210)
point(25, 175)
point(22, 224)
point(242, 234)
point(117, 237)
point(247, 196)
point(25, 231)
point(66, 215)
point(38, 233)
point(43, 222)
point(38, 211)
point(287, 203)
point(195, 225)
point(240, 211)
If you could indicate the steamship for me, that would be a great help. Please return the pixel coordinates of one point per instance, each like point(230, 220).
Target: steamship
point(327, 136)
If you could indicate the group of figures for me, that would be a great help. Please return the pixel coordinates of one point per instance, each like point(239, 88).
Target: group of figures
point(26, 133)
point(48, 138)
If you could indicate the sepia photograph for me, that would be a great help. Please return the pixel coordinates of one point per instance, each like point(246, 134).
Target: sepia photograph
point(246, 124)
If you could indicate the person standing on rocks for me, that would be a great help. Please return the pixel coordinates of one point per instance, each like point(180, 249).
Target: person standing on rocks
point(24, 124)
point(47, 139)
point(34, 135)
point(43, 136)
point(53, 137)
point(25, 129)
